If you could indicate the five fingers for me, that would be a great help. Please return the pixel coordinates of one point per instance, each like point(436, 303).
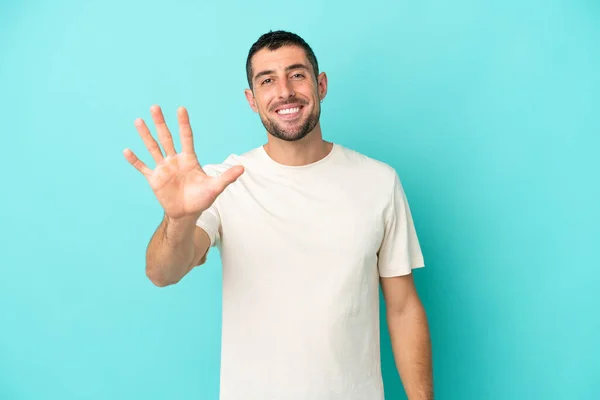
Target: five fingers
point(187, 144)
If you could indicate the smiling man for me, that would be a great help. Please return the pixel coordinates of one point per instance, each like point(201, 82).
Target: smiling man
point(287, 116)
point(308, 231)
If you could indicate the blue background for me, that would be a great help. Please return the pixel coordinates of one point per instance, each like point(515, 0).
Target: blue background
point(489, 111)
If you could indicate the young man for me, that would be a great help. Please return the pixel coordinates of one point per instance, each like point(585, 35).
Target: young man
point(306, 229)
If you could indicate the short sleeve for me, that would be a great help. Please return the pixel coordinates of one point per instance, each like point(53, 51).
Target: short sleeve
point(210, 221)
point(400, 251)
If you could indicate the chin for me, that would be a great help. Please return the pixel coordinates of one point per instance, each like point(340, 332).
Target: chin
point(287, 135)
point(291, 138)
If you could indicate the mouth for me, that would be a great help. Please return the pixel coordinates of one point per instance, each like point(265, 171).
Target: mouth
point(289, 111)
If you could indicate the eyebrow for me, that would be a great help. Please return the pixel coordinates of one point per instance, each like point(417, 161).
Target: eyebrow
point(288, 68)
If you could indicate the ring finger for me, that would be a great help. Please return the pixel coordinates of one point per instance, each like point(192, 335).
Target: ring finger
point(163, 131)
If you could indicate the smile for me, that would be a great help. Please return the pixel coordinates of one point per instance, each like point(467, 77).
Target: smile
point(288, 110)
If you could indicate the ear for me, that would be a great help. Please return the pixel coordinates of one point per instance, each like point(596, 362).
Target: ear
point(322, 85)
point(251, 99)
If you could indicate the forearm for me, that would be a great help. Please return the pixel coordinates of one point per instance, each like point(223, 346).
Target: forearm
point(170, 252)
point(411, 344)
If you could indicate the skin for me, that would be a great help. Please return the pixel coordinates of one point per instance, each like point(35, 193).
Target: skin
point(185, 191)
point(409, 336)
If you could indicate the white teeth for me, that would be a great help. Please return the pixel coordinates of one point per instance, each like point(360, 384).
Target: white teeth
point(288, 110)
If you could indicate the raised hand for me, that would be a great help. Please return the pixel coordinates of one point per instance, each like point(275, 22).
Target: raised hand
point(180, 184)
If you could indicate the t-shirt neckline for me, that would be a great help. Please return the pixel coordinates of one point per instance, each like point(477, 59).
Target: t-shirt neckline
point(323, 160)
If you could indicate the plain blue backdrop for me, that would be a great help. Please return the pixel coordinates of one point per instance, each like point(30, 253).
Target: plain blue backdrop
point(489, 111)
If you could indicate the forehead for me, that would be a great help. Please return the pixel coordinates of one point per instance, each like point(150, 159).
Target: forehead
point(266, 59)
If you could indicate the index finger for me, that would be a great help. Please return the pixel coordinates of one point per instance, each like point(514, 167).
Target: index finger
point(185, 131)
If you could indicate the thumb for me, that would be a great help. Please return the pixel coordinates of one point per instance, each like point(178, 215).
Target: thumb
point(228, 177)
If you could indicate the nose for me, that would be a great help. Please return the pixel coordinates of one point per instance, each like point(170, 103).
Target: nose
point(286, 89)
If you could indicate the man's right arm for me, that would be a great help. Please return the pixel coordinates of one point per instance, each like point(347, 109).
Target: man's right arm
point(185, 191)
point(177, 246)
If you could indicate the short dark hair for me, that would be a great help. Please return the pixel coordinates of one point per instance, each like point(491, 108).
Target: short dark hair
point(273, 40)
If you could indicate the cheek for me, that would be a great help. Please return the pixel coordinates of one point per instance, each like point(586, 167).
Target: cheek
point(263, 101)
point(308, 91)
point(308, 85)
point(259, 104)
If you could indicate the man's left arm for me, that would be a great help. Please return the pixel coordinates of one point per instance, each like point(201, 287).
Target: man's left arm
point(409, 335)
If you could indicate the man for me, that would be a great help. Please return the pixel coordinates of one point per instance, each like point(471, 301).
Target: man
point(306, 229)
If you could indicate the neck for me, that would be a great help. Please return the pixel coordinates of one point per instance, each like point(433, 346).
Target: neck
point(307, 150)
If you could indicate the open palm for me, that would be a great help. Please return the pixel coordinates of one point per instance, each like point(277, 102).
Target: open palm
point(180, 184)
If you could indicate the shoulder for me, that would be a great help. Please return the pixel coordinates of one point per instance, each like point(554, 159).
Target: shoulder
point(373, 169)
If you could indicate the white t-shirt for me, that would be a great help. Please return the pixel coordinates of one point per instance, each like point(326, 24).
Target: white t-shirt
point(302, 249)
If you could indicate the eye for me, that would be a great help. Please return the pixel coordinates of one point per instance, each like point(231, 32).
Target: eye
point(298, 75)
point(266, 81)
